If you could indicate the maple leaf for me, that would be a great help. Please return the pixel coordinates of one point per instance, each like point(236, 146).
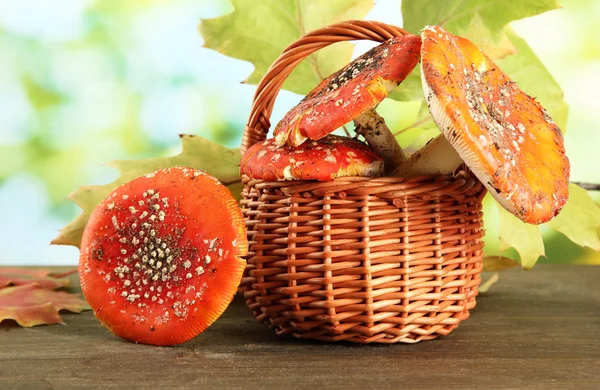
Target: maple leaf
point(498, 263)
point(494, 264)
point(485, 23)
point(532, 77)
point(489, 282)
point(31, 305)
point(525, 238)
point(43, 278)
point(258, 30)
point(480, 21)
point(579, 220)
point(197, 152)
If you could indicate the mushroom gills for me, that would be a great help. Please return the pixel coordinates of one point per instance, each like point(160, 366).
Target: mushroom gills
point(454, 151)
point(527, 172)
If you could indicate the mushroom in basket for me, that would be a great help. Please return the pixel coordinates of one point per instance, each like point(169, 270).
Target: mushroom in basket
point(502, 134)
point(351, 93)
point(323, 160)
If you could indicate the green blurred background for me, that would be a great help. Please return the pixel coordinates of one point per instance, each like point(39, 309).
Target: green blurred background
point(83, 82)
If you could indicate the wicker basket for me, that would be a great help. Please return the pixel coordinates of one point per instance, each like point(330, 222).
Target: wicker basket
point(358, 259)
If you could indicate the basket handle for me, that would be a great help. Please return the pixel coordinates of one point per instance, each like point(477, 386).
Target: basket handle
point(262, 105)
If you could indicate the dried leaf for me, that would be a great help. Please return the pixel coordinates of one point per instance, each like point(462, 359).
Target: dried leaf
point(197, 152)
point(40, 277)
point(498, 263)
point(31, 305)
point(485, 286)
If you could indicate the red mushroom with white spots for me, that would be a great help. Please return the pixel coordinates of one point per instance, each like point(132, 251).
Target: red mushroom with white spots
point(350, 93)
point(161, 256)
point(504, 135)
point(325, 159)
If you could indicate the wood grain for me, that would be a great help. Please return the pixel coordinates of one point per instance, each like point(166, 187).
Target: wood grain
point(536, 329)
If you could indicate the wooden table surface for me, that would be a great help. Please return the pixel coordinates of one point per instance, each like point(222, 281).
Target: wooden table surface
point(536, 329)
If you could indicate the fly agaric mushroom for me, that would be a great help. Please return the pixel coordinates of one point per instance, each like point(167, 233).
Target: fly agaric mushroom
point(323, 160)
point(161, 256)
point(348, 93)
point(505, 136)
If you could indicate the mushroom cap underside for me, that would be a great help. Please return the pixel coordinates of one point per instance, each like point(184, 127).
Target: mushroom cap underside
point(505, 136)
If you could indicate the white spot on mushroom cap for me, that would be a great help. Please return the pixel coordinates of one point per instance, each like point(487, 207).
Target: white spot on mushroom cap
point(287, 173)
point(115, 222)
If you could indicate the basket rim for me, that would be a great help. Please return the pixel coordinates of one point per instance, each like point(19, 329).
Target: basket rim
point(394, 189)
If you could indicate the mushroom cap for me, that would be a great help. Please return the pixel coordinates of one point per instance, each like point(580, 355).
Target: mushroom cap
point(160, 256)
point(346, 94)
point(504, 135)
point(323, 160)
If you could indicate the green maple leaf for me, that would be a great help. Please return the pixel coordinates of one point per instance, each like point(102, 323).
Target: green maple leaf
point(410, 89)
point(197, 152)
point(485, 24)
point(579, 220)
point(526, 239)
point(258, 31)
point(480, 21)
point(532, 77)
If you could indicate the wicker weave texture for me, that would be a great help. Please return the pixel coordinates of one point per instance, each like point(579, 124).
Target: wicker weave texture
point(349, 264)
point(363, 260)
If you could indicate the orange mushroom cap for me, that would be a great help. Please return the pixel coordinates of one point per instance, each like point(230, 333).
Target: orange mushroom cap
point(161, 256)
point(504, 135)
point(323, 160)
point(346, 94)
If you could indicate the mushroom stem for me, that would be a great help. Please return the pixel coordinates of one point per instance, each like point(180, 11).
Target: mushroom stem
point(379, 137)
point(438, 157)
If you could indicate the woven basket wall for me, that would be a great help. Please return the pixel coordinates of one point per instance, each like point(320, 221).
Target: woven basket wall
point(363, 260)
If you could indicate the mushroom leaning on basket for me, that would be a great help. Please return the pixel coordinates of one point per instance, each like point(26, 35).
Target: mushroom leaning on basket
point(503, 135)
point(353, 92)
